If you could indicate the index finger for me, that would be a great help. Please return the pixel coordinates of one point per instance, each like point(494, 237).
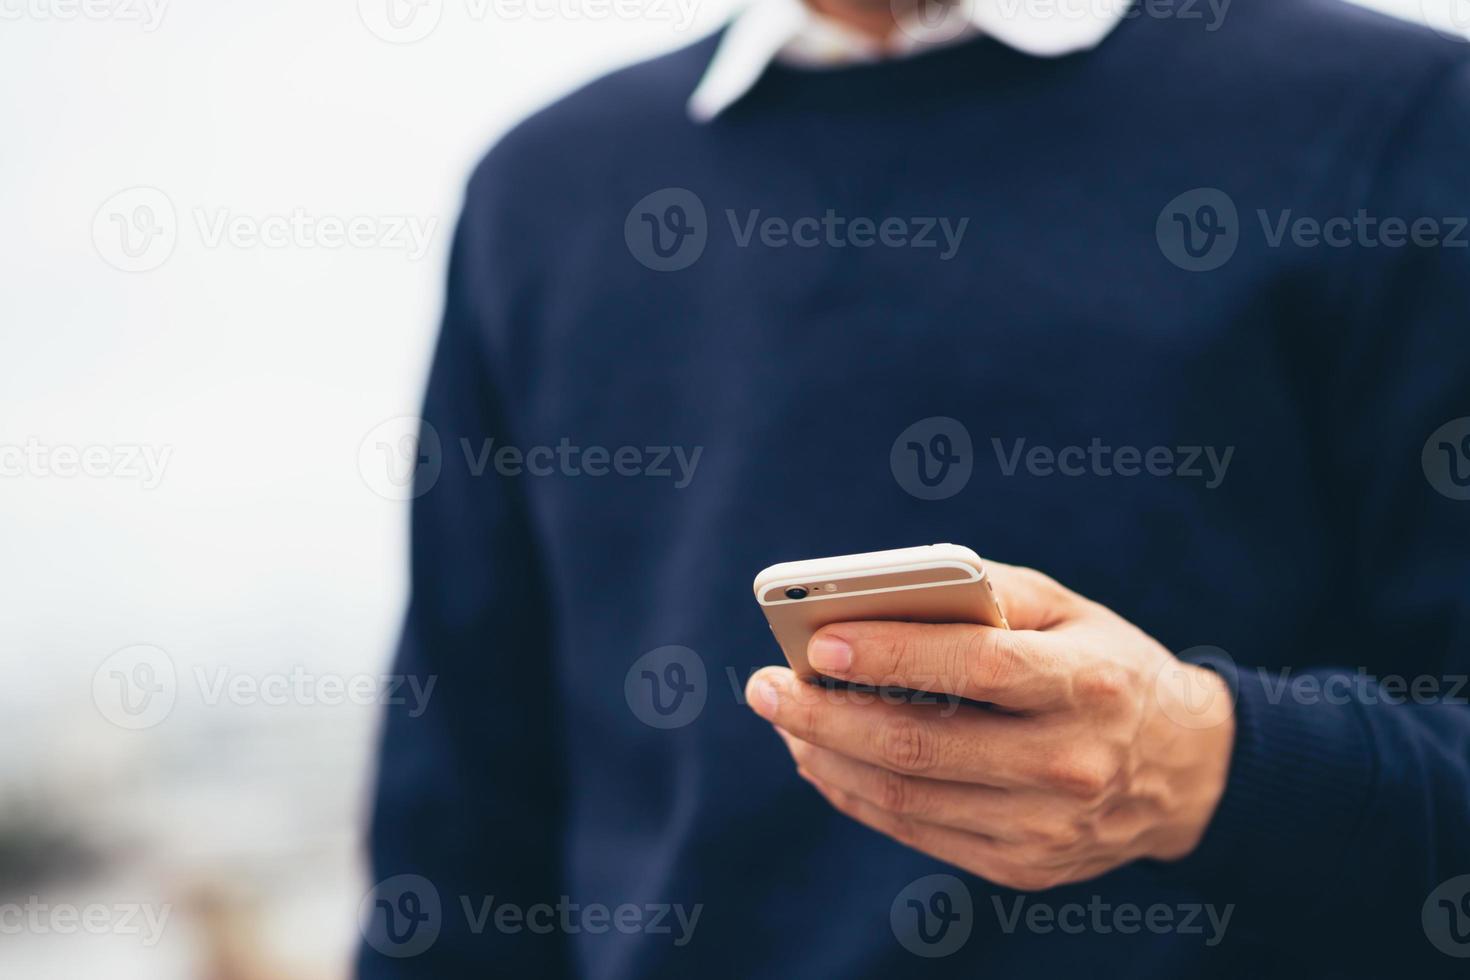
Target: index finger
point(971, 746)
point(1013, 668)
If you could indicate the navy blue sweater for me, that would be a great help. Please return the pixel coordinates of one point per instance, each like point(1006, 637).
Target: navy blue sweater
point(1333, 547)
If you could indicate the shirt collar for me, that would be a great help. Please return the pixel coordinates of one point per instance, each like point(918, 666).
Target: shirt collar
point(789, 31)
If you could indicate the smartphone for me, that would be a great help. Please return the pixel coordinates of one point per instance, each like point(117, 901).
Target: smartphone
point(937, 583)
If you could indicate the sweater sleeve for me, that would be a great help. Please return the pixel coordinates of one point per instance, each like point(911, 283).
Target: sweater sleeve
point(1348, 800)
point(468, 801)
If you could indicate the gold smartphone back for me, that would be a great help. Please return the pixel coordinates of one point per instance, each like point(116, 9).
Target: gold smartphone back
point(941, 583)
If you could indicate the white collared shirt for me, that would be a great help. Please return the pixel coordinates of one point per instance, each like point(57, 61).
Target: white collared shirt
point(791, 32)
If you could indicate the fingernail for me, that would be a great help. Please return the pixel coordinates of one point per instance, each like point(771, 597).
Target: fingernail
point(829, 654)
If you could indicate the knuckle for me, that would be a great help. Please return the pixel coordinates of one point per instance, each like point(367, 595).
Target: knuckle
point(907, 746)
point(993, 659)
point(904, 795)
point(1104, 685)
point(1065, 840)
point(894, 793)
point(1076, 775)
point(1055, 835)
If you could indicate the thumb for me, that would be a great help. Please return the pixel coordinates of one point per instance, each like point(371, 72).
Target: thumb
point(1030, 599)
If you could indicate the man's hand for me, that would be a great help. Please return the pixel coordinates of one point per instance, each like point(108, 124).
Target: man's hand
point(1101, 747)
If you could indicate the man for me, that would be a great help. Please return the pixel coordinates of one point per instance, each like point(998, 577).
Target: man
point(1172, 307)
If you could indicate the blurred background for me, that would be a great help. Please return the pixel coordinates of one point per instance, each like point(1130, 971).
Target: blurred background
point(223, 240)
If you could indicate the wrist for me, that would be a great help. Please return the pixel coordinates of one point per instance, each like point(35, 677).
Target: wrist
point(1190, 738)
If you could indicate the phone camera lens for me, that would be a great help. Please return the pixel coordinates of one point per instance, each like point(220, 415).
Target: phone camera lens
point(796, 592)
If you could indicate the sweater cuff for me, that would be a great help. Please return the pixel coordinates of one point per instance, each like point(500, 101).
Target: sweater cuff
point(1301, 775)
